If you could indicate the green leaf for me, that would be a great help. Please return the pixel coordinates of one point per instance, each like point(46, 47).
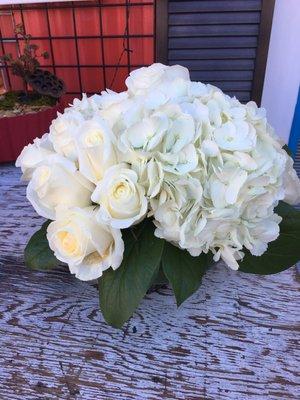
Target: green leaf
point(121, 290)
point(284, 252)
point(183, 271)
point(38, 254)
point(159, 278)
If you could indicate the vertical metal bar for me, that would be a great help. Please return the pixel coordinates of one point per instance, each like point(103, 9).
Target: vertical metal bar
point(127, 35)
point(17, 37)
point(102, 44)
point(50, 37)
point(22, 17)
point(154, 29)
point(76, 45)
point(14, 26)
point(6, 75)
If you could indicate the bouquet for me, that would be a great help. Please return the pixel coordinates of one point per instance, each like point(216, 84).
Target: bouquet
point(164, 178)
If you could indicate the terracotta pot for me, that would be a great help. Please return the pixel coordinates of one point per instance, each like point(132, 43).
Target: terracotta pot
point(20, 130)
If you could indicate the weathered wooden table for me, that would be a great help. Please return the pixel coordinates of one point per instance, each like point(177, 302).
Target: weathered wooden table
point(236, 338)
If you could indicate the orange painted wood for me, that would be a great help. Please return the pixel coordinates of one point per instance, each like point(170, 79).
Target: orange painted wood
point(92, 50)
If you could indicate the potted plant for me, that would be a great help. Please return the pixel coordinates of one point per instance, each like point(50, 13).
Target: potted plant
point(27, 113)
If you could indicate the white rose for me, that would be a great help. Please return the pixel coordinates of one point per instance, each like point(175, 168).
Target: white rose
point(121, 197)
point(56, 182)
point(63, 132)
point(95, 149)
point(33, 154)
point(88, 247)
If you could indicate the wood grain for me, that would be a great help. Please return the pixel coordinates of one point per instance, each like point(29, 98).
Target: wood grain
point(236, 338)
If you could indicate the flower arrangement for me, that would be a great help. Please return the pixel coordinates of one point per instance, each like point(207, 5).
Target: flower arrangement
point(166, 177)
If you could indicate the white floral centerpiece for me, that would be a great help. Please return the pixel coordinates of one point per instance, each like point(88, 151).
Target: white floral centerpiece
point(168, 176)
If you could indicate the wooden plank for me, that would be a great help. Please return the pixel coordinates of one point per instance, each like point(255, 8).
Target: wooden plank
point(234, 339)
point(242, 96)
point(224, 343)
point(216, 65)
point(222, 31)
point(223, 75)
point(213, 42)
point(211, 54)
point(213, 30)
point(215, 18)
point(214, 6)
point(233, 86)
point(226, 86)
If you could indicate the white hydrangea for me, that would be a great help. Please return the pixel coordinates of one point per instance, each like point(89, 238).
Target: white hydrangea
point(208, 169)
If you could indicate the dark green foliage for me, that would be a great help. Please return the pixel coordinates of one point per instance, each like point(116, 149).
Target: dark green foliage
point(122, 290)
point(183, 271)
point(11, 99)
point(287, 149)
point(8, 100)
point(284, 252)
point(38, 254)
point(148, 259)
